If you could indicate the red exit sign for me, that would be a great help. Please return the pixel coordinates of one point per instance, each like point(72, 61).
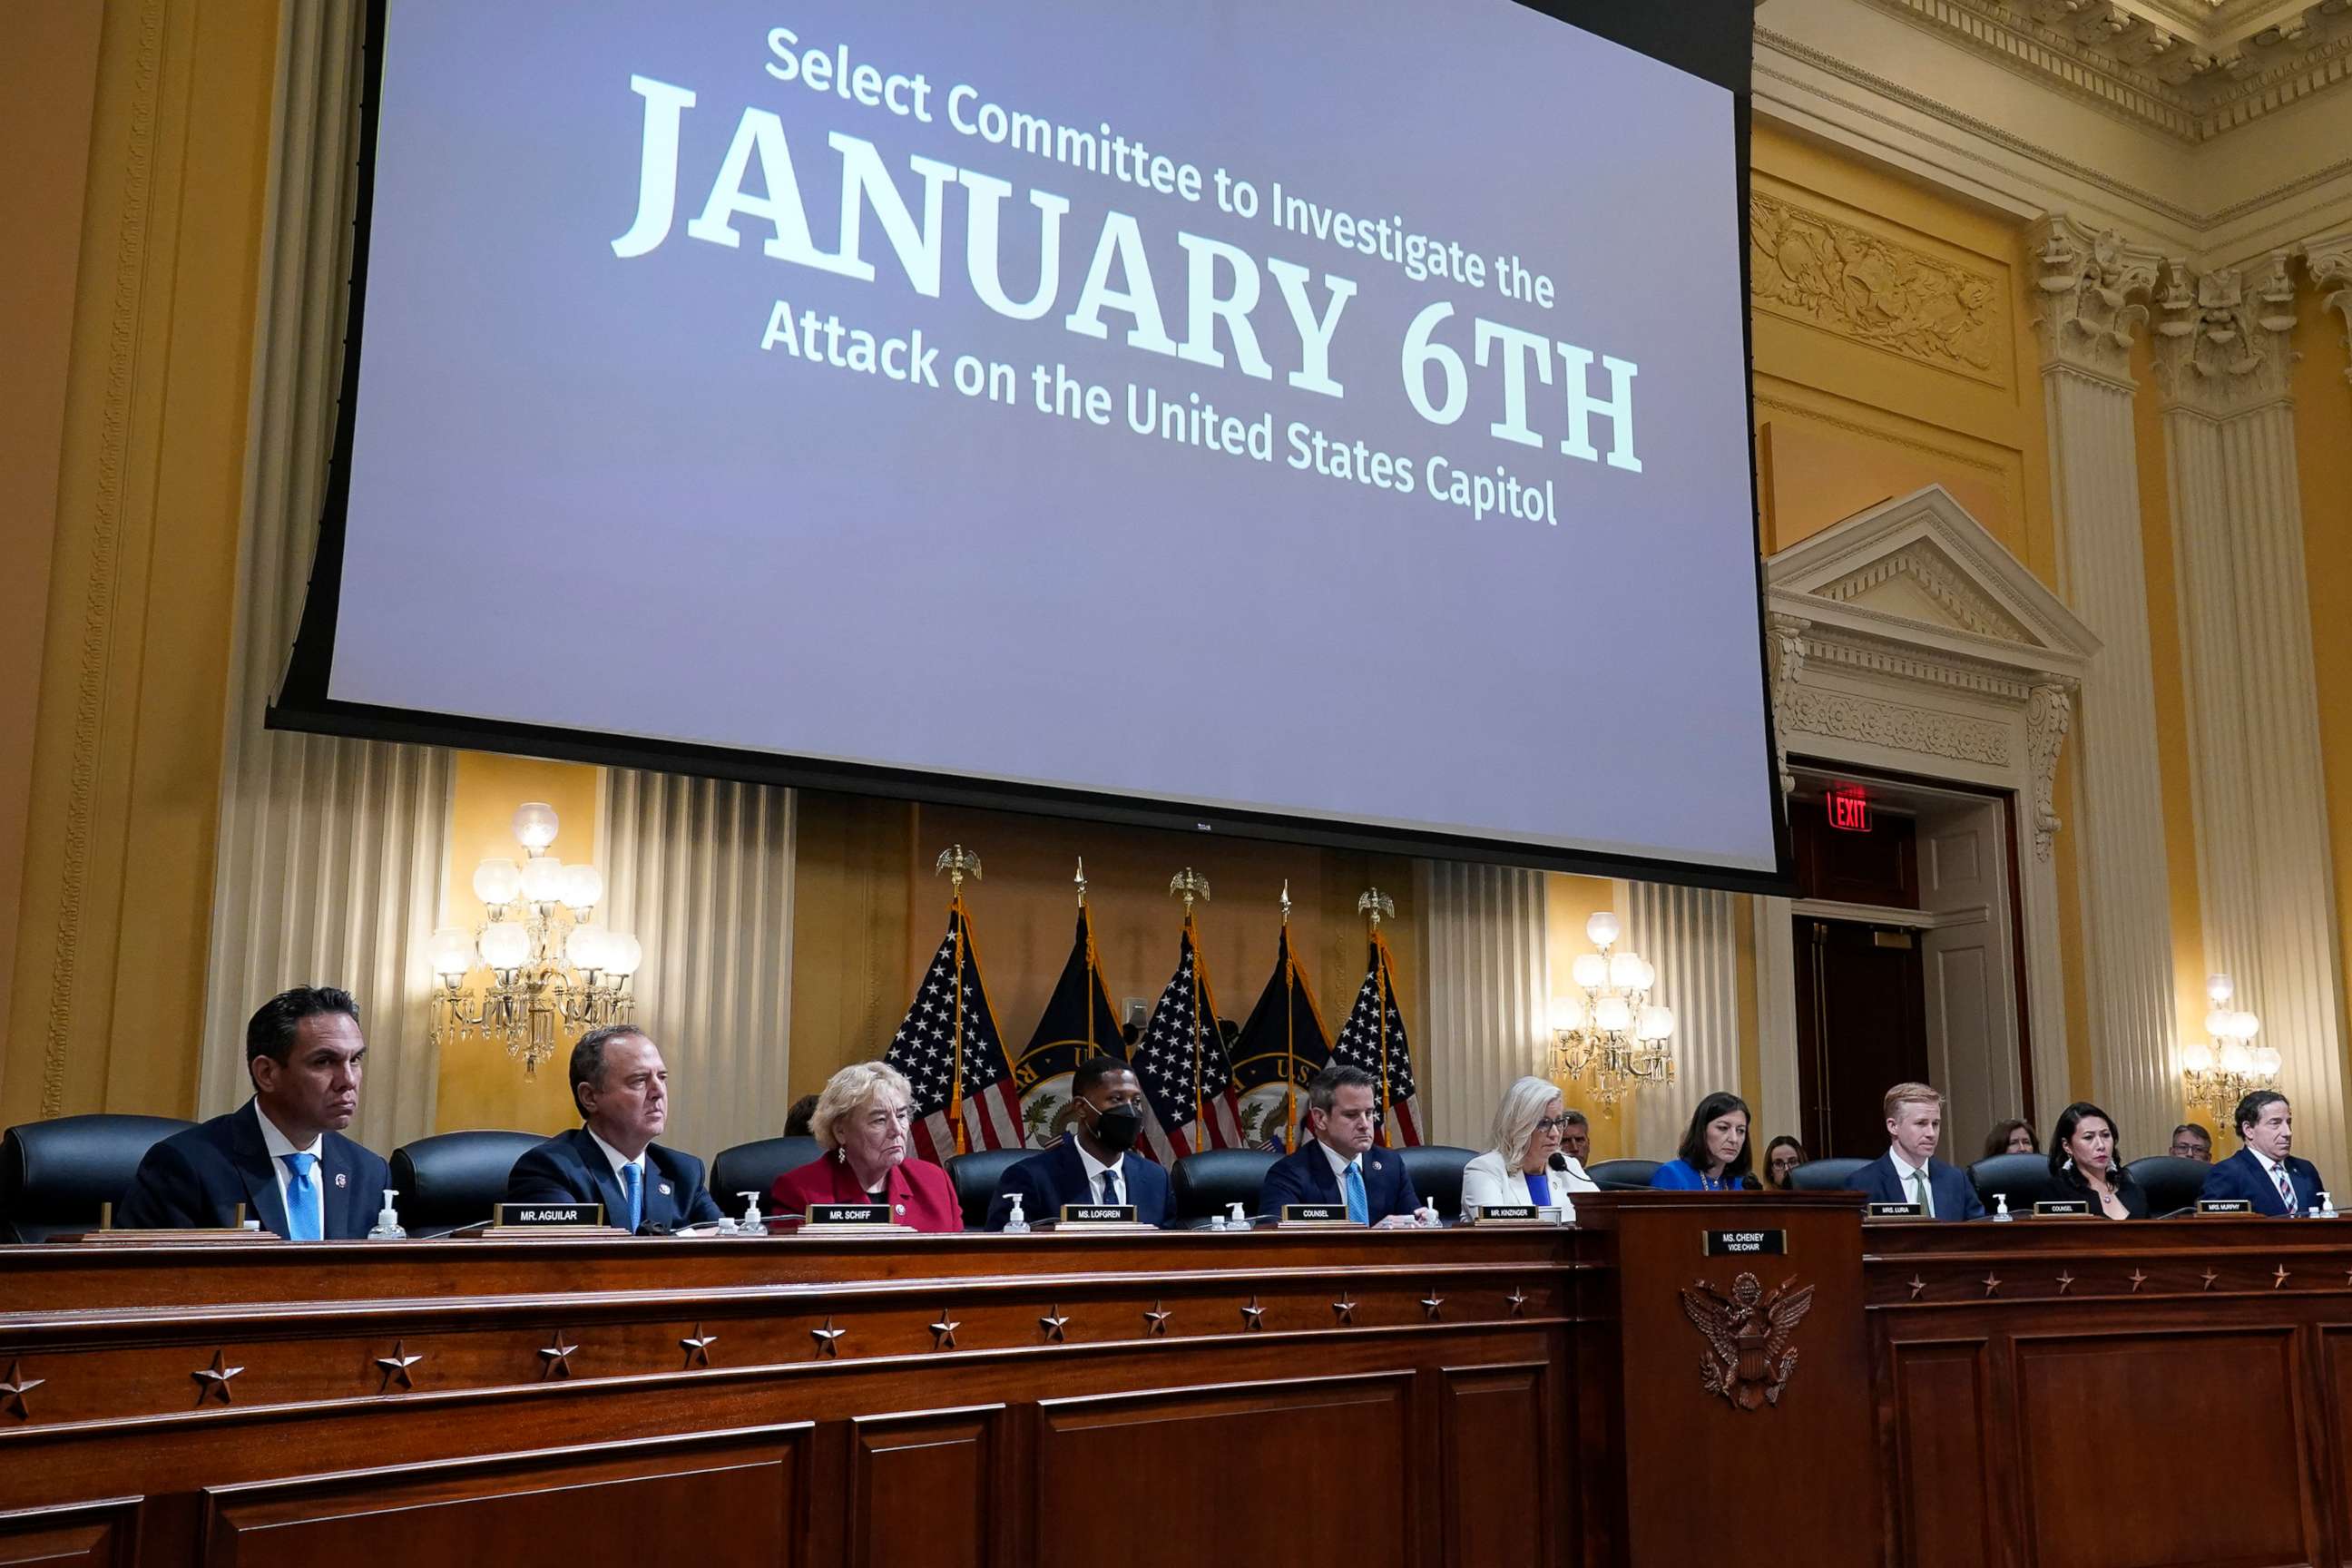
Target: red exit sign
point(1849, 809)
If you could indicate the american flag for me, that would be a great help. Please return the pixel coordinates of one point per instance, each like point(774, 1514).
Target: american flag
point(1373, 1039)
point(1185, 1022)
point(924, 1048)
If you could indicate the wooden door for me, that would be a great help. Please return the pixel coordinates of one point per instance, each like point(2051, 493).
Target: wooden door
point(1862, 1018)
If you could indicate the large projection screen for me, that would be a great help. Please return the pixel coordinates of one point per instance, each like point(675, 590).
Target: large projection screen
point(1323, 419)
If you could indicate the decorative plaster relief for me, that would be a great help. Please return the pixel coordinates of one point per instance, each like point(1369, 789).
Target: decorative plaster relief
point(1846, 716)
point(2049, 715)
point(2330, 263)
point(1942, 582)
point(2092, 285)
point(1813, 269)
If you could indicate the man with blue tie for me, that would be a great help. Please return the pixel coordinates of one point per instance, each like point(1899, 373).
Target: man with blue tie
point(283, 1153)
point(622, 1088)
point(1338, 1163)
point(1909, 1173)
point(2264, 1172)
point(1090, 1165)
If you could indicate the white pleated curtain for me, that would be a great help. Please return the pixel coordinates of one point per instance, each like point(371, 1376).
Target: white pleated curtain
point(1487, 979)
point(1686, 933)
point(701, 871)
point(331, 851)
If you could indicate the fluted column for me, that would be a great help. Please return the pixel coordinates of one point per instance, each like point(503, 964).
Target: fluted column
point(1486, 989)
point(2092, 287)
point(2263, 846)
point(329, 868)
point(701, 871)
point(1688, 935)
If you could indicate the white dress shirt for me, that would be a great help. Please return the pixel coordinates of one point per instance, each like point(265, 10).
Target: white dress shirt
point(1094, 1169)
point(1924, 1193)
point(620, 1163)
point(1339, 1164)
point(279, 1146)
point(2271, 1171)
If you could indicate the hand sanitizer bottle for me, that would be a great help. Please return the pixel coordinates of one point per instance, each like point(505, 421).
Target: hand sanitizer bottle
point(753, 1223)
point(1017, 1224)
point(1236, 1220)
point(2327, 1206)
point(387, 1220)
point(2001, 1211)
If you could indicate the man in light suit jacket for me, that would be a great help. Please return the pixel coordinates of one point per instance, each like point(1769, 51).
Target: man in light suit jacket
point(1338, 1163)
point(622, 1088)
point(1091, 1164)
point(2264, 1171)
point(283, 1153)
point(1909, 1173)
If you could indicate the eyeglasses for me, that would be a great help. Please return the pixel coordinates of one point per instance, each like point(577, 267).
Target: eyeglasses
point(1552, 1125)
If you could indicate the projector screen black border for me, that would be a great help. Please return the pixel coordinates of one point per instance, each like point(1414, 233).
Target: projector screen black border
point(1711, 39)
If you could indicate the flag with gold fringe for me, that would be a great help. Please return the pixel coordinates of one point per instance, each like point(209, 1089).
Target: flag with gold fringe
point(1078, 1023)
point(952, 1056)
point(1181, 1062)
point(1281, 1048)
point(1373, 1039)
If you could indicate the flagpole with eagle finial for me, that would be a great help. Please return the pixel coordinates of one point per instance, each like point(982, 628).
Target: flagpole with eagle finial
point(1192, 885)
point(958, 863)
point(1377, 904)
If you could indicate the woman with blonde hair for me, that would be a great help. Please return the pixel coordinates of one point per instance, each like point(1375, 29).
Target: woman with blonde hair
point(861, 1121)
point(1526, 1165)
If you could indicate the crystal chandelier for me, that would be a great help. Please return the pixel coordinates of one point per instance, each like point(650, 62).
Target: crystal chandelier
point(1612, 1037)
point(553, 972)
point(2226, 1069)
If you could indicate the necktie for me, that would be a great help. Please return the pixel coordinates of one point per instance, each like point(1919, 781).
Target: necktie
point(301, 1199)
point(1111, 1187)
point(632, 1193)
point(1920, 1194)
point(1359, 1208)
point(2286, 1188)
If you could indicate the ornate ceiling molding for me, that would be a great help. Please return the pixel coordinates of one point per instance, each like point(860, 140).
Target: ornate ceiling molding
point(2189, 69)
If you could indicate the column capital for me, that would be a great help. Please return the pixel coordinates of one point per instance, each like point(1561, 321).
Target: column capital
point(2092, 283)
point(2329, 261)
point(2222, 337)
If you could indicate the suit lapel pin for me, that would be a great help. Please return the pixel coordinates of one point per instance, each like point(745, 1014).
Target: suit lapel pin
point(664, 1188)
point(902, 1208)
point(340, 1181)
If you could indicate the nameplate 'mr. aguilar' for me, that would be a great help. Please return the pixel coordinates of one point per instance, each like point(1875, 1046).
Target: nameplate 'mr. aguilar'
point(1747, 1243)
point(520, 1216)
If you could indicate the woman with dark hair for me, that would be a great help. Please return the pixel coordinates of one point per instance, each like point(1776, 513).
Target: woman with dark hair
point(2082, 1163)
point(2010, 1137)
point(1715, 1153)
point(1781, 1156)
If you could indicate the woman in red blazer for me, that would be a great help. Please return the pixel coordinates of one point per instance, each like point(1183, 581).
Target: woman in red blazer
point(861, 1122)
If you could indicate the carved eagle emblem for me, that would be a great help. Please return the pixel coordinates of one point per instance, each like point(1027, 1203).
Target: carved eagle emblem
point(1748, 1359)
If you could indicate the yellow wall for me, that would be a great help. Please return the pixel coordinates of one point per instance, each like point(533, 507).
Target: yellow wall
point(480, 1085)
point(109, 954)
point(2324, 454)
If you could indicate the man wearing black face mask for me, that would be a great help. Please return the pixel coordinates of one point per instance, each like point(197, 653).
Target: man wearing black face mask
point(1090, 1165)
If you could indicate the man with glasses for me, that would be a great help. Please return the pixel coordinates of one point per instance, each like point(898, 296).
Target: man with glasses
point(1909, 1173)
point(2191, 1141)
point(1338, 1164)
point(621, 1089)
point(1090, 1165)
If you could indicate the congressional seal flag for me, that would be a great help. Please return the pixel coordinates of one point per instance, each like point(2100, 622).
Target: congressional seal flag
point(1281, 1048)
point(1373, 1036)
point(1078, 1023)
point(1180, 1061)
point(949, 1047)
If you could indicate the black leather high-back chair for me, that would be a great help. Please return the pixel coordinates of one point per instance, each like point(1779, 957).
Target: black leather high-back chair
point(2024, 1178)
point(1623, 1175)
point(979, 1176)
point(55, 1176)
point(1210, 1182)
point(2171, 1182)
point(453, 1179)
point(1435, 1173)
point(754, 1167)
point(1827, 1175)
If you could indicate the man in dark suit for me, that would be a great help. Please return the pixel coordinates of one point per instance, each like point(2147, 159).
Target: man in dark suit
point(281, 1154)
point(1338, 1163)
point(1909, 1173)
point(1090, 1165)
point(622, 1088)
point(2264, 1171)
